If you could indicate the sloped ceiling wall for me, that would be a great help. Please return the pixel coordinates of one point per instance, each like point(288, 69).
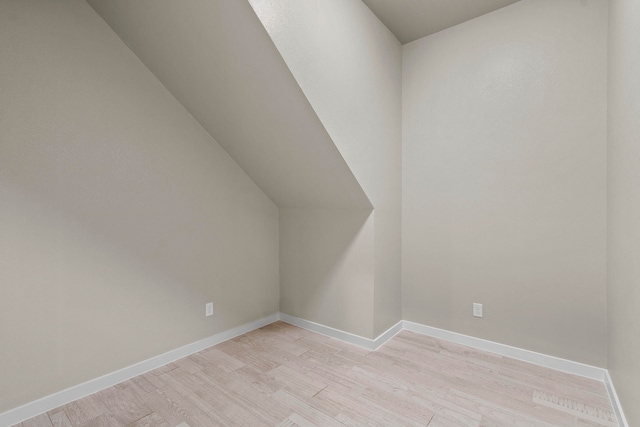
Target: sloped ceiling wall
point(349, 65)
point(216, 58)
point(120, 216)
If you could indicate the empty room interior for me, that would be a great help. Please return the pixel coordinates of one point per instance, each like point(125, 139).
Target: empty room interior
point(319, 212)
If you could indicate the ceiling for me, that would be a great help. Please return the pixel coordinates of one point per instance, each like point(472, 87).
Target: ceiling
point(410, 20)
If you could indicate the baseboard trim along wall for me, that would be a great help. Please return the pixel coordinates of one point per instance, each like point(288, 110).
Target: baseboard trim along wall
point(29, 410)
point(540, 359)
point(37, 407)
point(617, 406)
point(369, 344)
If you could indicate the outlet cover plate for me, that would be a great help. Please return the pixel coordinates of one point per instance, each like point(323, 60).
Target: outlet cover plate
point(477, 309)
point(209, 309)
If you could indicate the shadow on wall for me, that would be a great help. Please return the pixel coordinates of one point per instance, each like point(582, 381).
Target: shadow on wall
point(327, 267)
point(120, 216)
point(92, 262)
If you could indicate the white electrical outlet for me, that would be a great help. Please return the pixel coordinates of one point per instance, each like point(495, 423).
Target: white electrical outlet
point(209, 309)
point(477, 309)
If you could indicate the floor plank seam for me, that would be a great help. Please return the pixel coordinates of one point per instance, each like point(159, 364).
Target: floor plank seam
point(284, 375)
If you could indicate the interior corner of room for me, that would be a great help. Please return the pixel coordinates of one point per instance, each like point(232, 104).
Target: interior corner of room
point(315, 162)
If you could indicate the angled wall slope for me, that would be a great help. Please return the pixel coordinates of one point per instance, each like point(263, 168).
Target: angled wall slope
point(218, 61)
point(349, 66)
point(123, 215)
point(120, 216)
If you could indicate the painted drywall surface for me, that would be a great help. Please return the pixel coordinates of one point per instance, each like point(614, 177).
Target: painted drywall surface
point(326, 267)
point(120, 216)
point(624, 204)
point(387, 301)
point(410, 20)
point(349, 66)
point(217, 59)
point(504, 178)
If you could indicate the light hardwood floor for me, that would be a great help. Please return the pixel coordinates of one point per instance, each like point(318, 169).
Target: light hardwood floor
point(281, 375)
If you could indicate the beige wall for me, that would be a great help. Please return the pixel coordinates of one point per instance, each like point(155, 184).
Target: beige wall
point(218, 61)
point(349, 66)
point(624, 204)
point(504, 178)
point(326, 267)
point(120, 216)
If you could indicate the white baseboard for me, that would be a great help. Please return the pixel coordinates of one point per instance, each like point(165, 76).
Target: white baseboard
point(390, 333)
point(24, 412)
point(615, 401)
point(540, 359)
point(369, 344)
point(547, 361)
point(17, 415)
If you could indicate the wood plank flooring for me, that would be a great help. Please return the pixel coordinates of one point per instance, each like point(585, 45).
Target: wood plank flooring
point(281, 375)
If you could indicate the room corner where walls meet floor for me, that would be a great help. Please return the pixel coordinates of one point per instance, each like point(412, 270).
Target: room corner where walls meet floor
point(61, 398)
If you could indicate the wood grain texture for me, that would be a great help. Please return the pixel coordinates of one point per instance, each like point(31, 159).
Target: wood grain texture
point(42, 420)
point(281, 375)
point(151, 420)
